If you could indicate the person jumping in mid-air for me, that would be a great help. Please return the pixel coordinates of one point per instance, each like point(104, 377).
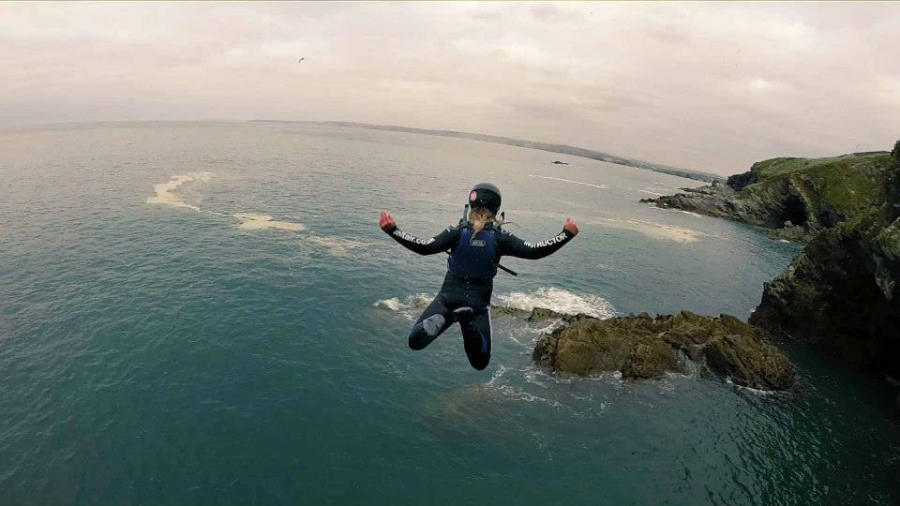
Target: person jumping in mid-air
point(475, 248)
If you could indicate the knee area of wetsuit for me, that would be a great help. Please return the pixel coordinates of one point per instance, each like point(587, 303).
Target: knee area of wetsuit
point(480, 363)
point(416, 342)
point(417, 339)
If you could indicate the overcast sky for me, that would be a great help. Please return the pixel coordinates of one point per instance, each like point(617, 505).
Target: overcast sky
point(705, 86)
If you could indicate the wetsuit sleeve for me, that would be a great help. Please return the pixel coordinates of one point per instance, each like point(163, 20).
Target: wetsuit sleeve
point(515, 247)
point(437, 244)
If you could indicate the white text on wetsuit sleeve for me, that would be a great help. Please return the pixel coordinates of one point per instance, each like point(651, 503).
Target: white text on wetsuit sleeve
point(411, 238)
point(549, 242)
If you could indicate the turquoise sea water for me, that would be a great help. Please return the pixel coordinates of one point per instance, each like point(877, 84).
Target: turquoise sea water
point(156, 349)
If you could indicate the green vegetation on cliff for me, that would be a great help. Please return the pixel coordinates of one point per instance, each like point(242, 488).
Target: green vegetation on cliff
point(847, 183)
point(798, 197)
point(842, 291)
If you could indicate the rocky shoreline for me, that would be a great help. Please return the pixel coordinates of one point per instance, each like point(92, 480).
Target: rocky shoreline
point(841, 294)
point(643, 347)
point(795, 198)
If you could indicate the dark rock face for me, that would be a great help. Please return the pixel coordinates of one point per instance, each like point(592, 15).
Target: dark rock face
point(738, 182)
point(892, 185)
point(781, 206)
point(842, 292)
point(644, 347)
point(538, 313)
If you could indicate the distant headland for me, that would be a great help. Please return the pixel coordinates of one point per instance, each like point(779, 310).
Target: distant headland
point(543, 146)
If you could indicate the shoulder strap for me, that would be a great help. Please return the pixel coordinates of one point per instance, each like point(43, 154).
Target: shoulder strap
point(496, 230)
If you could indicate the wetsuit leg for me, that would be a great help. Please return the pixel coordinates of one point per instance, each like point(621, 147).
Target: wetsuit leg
point(476, 331)
point(418, 337)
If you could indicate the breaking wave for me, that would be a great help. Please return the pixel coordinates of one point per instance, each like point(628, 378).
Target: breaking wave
point(410, 307)
point(559, 300)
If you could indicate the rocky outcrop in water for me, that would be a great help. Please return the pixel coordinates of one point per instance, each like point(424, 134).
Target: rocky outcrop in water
point(842, 292)
point(538, 313)
point(644, 347)
point(794, 197)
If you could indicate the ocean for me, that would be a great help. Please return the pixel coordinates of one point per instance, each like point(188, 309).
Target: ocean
point(208, 313)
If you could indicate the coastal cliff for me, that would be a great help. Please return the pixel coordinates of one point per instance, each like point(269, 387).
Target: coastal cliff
point(841, 293)
point(795, 198)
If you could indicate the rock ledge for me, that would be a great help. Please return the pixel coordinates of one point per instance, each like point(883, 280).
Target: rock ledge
point(644, 347)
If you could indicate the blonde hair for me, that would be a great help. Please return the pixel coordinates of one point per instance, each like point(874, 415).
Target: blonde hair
point(479, 218)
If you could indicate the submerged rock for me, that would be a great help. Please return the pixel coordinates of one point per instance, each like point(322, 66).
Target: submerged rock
point(842, 292)
point(644, 347)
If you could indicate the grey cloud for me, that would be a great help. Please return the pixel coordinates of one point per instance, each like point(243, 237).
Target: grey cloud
point(547, 11)
point(669, 33)
point(724, 84)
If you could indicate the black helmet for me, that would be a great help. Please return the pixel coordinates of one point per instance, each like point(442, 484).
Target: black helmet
point(485, 195)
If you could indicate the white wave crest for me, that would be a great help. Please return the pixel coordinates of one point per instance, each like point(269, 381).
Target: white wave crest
point(672, 209)
point(409, 307)
point(252, 221)
point(756, 391)
point(164, 191)
point(600, 186)
point(516, 394)
point(559, 300)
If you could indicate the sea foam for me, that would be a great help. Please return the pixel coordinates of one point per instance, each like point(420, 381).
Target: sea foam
point(600, 186)
point(164, 191)
point(672, 209)
point(337, 246)
point(253, 221)
point(556, 299)
point(559, 300)
point(652, 230)
point(410, 307)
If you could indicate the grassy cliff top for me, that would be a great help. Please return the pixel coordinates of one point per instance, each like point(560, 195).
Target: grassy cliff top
point(846, 183)
point(851, 162)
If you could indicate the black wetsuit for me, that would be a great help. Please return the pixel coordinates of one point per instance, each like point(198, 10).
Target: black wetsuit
point(469, 280)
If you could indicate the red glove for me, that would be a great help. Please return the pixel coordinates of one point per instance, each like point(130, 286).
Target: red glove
point(571, 227)
point(387, 223)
